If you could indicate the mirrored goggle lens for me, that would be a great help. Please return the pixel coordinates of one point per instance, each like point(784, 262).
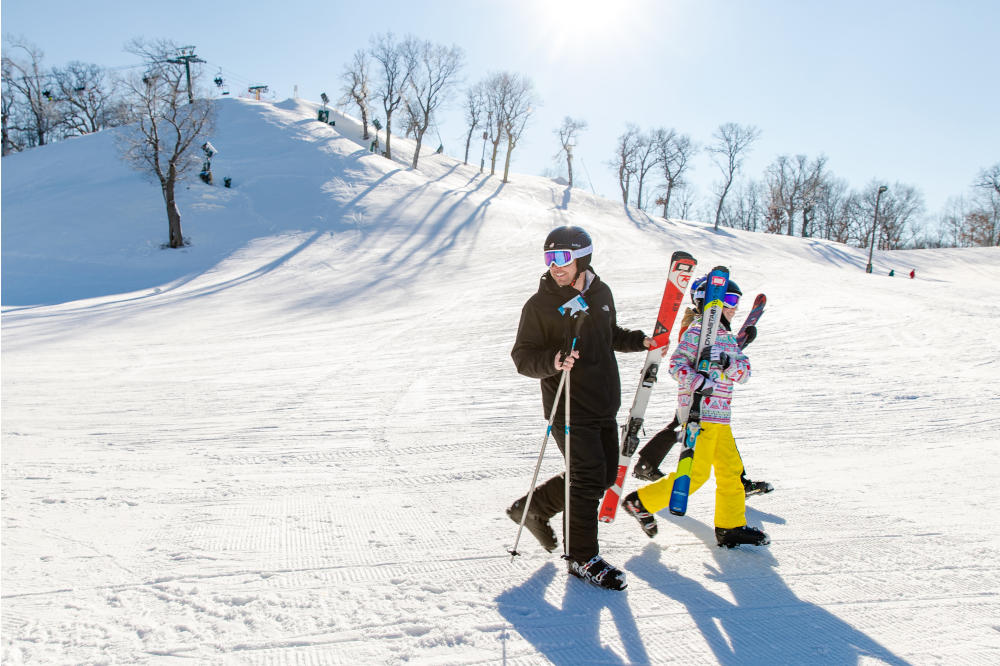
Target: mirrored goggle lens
point(731, 300)
point(558, 257)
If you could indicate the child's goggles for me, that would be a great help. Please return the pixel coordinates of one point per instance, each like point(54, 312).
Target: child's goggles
point(731, 300)
point(563, 257)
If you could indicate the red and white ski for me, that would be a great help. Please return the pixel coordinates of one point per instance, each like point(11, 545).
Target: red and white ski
point(682, 266)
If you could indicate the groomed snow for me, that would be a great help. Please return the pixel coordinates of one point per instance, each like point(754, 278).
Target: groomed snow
point(294, 440)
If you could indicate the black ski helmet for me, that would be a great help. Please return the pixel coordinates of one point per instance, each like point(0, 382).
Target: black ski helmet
point(572, 238)
point(698, 291)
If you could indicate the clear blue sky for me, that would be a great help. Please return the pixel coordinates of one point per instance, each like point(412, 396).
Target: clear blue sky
point(891, 90)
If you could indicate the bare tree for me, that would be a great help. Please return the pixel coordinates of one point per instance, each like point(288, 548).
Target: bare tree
point(674, 152)
point(11, 136)
point(410, 118)
point(833, 209)
point(357, 86)
point(475, 106)
point(32, 99)
point(687, 196)
point(496, 89)
point(168, 129)
point(987, 184)
point(393, 77)
point(731, 144)
point(567, 134)
point(625, 160)
point(518, 109)
point(433, 73)
point(793, 186)
point(87, 99)
point(646, 157)
point(747, 210)
point(898, 214)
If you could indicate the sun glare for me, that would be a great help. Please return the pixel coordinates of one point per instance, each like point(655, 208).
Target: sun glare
point(579, 28)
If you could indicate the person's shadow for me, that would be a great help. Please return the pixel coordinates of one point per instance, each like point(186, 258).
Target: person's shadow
point(766, 623)
point(570, 635)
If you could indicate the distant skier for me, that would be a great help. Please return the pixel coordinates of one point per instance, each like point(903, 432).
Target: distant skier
point(892, 272)
point(913, 273)
point(652, 454)
point(715, 445)
point(595, 398)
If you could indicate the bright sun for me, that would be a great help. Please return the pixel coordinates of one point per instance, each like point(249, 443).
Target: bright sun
point(580, 27)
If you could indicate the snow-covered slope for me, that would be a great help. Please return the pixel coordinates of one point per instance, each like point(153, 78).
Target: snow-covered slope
point(293, 441)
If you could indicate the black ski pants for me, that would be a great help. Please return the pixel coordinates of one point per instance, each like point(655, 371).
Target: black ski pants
point(593, 465)
point(657, 448)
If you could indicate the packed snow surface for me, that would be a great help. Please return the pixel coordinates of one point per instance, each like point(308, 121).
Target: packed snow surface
point(294, 440)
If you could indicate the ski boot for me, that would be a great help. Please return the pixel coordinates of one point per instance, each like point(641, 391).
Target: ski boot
point(538, 526)
point(732, 537)
point(599, 573)
point(633, 506)
point(646, 471)
point(756, 487)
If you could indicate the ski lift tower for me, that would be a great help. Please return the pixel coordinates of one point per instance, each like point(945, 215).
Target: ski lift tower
point(257, 90)
point(185, 57)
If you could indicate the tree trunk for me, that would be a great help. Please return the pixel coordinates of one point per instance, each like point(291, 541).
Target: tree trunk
point(173, 214)
point(416, 151)
point(468, 143)
point(506, 166)
point(364, 122)
point(388, 135)
point(718, 209)
point(666, 199)
point(569, 167)
point(493, 158)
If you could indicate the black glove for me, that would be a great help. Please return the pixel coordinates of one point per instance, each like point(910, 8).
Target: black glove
point(750, 334)
point(721, 358)
point(703, 383)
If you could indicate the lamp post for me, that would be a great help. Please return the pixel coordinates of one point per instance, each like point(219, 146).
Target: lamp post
point(482, 160)
point(871, 251)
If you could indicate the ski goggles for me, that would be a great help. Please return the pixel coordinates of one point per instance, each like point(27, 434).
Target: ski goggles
point(564, 257)
point(731, 300)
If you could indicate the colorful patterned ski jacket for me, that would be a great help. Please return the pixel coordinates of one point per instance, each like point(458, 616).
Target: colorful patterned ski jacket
point(716, 407)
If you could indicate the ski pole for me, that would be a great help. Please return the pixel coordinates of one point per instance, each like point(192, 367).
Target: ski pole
point(538, 465)
point(566, 515)
point(578, 309)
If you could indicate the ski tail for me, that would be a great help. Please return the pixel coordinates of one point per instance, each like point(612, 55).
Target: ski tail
point(690, 415)
point(682, 265)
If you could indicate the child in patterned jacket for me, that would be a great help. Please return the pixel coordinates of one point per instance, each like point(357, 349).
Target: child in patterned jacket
point(715, 446)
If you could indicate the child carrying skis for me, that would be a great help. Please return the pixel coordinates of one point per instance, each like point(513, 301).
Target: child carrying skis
point(715, 445)
point(652, 454)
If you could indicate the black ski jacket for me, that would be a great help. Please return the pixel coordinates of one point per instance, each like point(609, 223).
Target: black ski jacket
point(542, 332)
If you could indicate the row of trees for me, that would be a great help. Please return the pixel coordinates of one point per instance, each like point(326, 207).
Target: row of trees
point(416, 78)
point(795, 195)
point(974, 220)
point(411, 76)
point(41, 105)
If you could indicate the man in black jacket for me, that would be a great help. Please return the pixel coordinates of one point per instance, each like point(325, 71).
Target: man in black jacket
point(543, 335)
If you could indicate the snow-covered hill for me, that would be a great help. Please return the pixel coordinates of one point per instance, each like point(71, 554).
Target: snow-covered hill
point(293, 441)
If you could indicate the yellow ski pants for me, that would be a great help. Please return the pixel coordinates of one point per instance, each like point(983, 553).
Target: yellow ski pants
point(715, 447)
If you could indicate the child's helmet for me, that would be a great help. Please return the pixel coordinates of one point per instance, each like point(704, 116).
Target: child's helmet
point(698, 291)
